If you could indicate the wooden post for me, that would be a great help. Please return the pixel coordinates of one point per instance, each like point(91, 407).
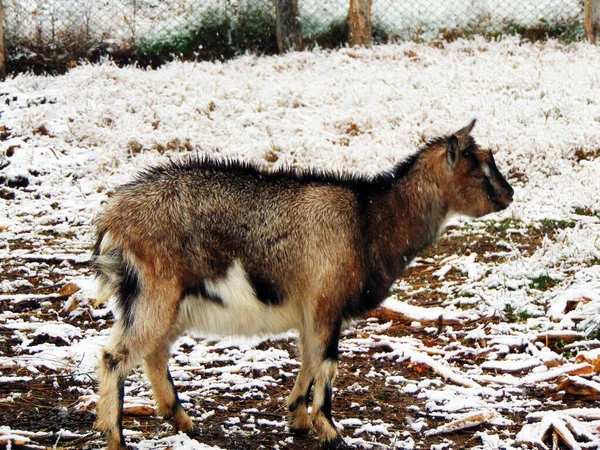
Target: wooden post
point(359, 23)
point(289, 29)
point(592, 20)
point(2, 44)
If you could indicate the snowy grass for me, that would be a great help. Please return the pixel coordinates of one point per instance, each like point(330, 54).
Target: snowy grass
point(506, 285)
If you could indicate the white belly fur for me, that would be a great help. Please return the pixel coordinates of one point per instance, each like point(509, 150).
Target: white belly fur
point(241, 314)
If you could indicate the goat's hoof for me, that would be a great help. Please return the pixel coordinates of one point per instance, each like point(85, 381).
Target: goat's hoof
point(194, 432)
point(337, 443)
point(300, 431)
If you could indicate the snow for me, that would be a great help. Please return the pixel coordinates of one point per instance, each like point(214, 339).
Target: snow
point(74, 138)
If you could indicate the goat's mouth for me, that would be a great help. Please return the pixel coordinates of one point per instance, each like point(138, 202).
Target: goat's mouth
point(501, 205)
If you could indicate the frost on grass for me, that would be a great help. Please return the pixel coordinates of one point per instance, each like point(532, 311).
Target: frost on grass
point(496, 322)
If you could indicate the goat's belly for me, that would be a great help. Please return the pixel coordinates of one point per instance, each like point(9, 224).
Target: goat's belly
point(250, 319)
point(230, 306)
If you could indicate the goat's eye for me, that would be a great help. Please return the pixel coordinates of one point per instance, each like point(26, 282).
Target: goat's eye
point(466, 153)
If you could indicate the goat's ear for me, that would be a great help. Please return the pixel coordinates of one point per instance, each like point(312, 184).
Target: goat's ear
point(464, 132)
point(452, 151)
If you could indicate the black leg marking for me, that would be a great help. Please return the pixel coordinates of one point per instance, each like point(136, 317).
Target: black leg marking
point(331, 352)
point(307, 395)
point(121, 389)
point(265, 290)
point(199, 290)
point(96, 250)
point(111, 361)
point(326, 406)
point(176, 402)
point(302, 398)
point(299, 400)
point(128, 292)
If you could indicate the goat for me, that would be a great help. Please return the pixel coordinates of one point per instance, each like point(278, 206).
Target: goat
point(229, 248)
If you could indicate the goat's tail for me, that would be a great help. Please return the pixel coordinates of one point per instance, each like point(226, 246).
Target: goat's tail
point(107, 260)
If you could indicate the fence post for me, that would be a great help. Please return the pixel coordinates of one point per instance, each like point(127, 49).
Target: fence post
point(289, 29)
point(592, 20)
point(359, 23)
point(2, 44)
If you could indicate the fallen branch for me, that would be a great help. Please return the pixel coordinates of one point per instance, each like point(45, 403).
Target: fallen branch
point(509, 366)
point(549, 338)
point(568, 369)
point(444, 371)
point(575, 385)
point(469, 421)
point(562, 427)
point(386, 315)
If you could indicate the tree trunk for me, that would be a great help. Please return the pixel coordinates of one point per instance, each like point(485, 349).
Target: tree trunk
point(592, 20)
point(2, 44)
point(359, 23)
point(289, 29)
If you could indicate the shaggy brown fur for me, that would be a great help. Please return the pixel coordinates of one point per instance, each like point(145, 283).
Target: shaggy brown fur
point(229, 248)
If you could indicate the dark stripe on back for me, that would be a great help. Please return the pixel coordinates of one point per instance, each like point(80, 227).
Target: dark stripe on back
point(199, 290)
point(211, 167)
point(265, 290)
point(129, 289)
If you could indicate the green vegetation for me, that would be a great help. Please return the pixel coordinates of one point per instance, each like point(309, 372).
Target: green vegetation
point(548, 226)
point(517, 316)
point(594, 334)
point(566, 31)
point(334, 34)
point(215, 36)
point(544, 282)
point(221, 34)
point(586, 212)
point(382, 395)
point(505, 225)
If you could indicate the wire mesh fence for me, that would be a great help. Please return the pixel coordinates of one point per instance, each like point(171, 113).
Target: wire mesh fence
point(53, 31)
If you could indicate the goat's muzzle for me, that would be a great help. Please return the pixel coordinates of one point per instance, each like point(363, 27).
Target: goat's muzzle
point(505, 198)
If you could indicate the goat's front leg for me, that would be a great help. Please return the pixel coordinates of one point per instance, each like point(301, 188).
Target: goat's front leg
point(325, 373)
point(319, 368)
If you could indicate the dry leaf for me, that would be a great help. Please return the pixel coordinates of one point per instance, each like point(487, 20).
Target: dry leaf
point(138, 410)
point(68, 289)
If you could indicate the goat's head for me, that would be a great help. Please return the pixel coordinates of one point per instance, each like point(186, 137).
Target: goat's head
point(475, 187)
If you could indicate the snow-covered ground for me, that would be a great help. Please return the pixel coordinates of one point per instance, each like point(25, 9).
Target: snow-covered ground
point(68, 141)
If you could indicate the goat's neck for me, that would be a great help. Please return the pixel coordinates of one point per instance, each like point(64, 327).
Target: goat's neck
point(404, 221)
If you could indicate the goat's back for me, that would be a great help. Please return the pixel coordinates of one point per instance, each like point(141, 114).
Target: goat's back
point(193, 221)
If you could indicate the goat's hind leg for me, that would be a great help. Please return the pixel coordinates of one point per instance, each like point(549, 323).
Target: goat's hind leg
point(297, 402)
point(117, 361)
point(169, 406)
point(142, 332)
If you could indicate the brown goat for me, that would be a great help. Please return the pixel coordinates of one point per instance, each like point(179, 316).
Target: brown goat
point(228, 248)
